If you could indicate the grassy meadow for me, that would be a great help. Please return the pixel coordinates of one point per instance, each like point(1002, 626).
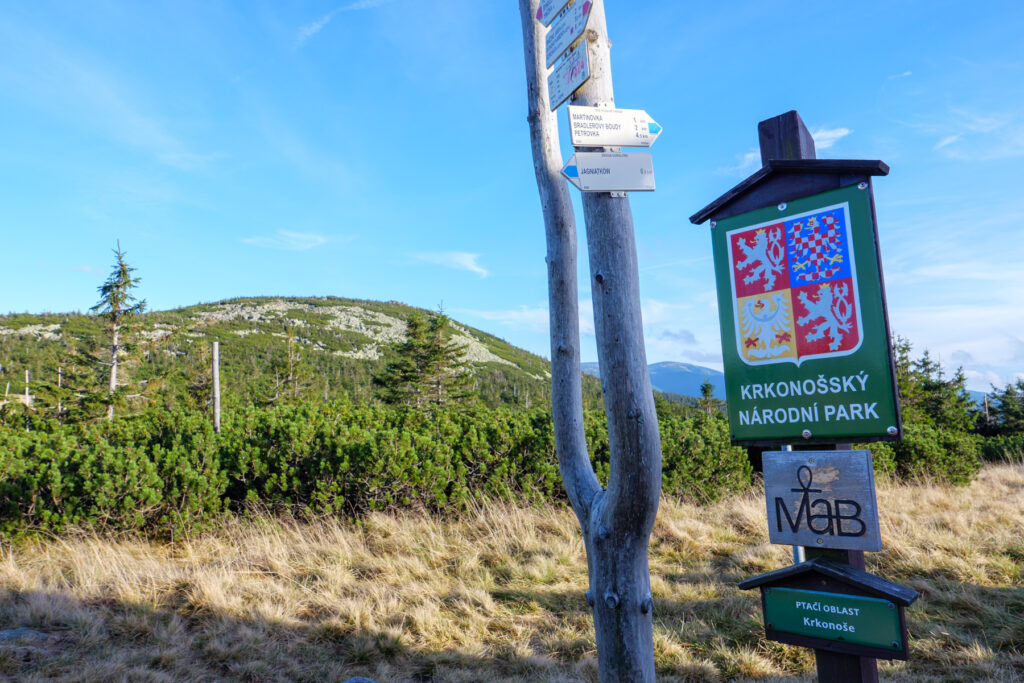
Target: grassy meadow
point(493, 595)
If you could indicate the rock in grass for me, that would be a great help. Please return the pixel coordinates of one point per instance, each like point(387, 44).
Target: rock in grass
point(22, 633)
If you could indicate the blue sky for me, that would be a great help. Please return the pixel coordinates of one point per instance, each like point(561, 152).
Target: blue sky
point(379, 149)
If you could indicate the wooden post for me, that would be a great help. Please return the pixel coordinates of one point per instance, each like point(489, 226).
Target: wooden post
point(786, 137)
point(216, 387)
point(616, 523)
point(28, 403)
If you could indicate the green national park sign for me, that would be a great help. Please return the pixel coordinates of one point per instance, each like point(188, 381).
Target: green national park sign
point(804, 334)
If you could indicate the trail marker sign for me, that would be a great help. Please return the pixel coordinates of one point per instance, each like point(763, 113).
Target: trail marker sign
point(569, 75)
point(600, 127)
point(566, 30)
point(610, 172)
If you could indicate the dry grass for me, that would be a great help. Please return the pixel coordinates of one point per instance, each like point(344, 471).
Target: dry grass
point(495, 595)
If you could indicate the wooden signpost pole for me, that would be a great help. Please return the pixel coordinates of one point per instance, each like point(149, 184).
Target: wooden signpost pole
point(786, 137)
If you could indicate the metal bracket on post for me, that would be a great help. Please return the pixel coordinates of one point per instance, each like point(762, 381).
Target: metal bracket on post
point(619, 194)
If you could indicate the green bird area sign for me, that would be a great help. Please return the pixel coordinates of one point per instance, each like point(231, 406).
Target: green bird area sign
point(804, 333)
point(855, 619)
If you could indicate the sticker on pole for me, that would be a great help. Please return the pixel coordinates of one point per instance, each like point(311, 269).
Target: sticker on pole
point(794, 288)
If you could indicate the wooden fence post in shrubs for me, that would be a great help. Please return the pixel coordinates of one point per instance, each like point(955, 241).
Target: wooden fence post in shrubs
point(216, 387)
point(616, 522)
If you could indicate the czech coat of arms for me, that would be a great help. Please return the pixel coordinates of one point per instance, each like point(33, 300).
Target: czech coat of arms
point(794, 288)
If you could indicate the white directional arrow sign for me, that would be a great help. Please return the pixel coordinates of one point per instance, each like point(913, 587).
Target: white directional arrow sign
point(566, 30)
point(549, 9)
point(606, 172)
point(597, 127)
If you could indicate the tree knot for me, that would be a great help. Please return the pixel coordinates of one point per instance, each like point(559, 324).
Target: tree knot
point(647, 605)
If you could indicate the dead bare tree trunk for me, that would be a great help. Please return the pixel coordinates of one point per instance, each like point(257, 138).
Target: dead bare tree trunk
point(216, 387)
point(616, 523)
point(116, 330)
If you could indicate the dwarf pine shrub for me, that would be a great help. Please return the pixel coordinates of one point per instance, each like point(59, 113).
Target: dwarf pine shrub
point(166, 470)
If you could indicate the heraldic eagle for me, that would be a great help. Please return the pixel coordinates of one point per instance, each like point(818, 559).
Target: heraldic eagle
point(765, 319)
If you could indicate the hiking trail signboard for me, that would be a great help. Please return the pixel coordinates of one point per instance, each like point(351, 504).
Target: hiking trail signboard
point(802, 314)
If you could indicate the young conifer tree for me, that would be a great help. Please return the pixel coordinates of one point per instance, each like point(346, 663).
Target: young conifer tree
point(427, 368)
point(1007, 410)
point(707, 397)
point(119, 306)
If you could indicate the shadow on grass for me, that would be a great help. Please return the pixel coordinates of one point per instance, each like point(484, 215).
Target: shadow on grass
point(961, 615)
point(107, 640)
point(973, 631)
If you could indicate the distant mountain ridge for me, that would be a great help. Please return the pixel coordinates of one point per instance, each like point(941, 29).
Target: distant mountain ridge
point(673, 377)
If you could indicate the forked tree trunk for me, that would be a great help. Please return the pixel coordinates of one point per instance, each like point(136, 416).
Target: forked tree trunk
point(616, 523)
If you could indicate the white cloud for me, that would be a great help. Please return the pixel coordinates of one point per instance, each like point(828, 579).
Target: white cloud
point(982, 271)
point(965, 134)
point(983, 381)
point(1016, 349)
point(745, 164)
point(77, 85)
point(952, 331)
point(980, 123)
point(533, 319)
point(314, 27)
point(750, 161)
point(187, 161)
point(679, 336)
point(457, 260)
point(905, 74)
point(960, 356)
point(714, 358)
point(827, 137)
point(662, 312)
point(676, 264)
point(586, 312)
point(294, 147)
point(288, 240)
